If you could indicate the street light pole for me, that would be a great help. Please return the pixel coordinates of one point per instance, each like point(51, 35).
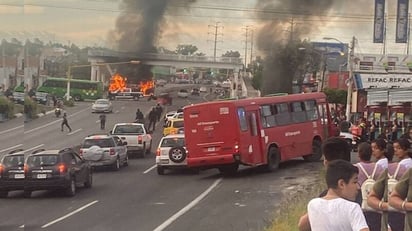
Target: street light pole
point(350, 80)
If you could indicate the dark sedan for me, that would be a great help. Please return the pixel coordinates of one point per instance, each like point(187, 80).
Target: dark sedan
point(12, 172)
point(57, 170)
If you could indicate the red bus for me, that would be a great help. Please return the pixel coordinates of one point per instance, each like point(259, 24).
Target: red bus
point(257, 131)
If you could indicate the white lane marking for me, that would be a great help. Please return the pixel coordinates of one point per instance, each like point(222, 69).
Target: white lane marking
point(21, 227)
point(54, 122)
point(15, 146)
point(33, 148)
point(149, 169)
point(75, 131)
point(69, 214)
point(97, 121)
point(187, 207)
point(11, 129)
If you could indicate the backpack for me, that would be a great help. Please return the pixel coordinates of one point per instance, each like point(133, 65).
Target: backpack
point(392, 181)
point(367, 187)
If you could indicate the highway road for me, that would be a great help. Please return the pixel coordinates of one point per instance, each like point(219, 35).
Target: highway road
point(136, 198)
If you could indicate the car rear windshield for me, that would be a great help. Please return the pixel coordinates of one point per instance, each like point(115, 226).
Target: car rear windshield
point(14, 161)
point(42, 160)
point(173, 142)
point(102, 102)
point(103, 143)
point(128, 129)
point(178, 124)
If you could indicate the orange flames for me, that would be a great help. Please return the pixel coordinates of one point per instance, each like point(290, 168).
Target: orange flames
point(117, 83)
point(147, 87)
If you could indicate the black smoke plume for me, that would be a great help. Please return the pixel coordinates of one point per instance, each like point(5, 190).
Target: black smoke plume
point(280, 37)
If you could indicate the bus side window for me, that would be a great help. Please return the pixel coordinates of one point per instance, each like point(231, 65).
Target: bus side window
point(242, 119)
point(311, 110)
point(322, 113)
point(298, 113)
point(283, 115)
point(268, 116)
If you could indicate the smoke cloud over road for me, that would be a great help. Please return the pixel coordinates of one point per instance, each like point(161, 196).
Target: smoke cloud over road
point(293, 20)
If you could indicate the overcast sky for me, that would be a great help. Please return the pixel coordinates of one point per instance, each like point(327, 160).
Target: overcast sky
point(88, 22)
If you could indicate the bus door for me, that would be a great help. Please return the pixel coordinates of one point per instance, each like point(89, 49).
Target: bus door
point(324, 120)
point(254, 146)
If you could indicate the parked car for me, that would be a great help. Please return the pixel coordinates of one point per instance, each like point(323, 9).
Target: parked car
point(12, 172)
point(161, 82)
point(171, 153)
point(56, 170)
point(104, 150)
point(102, 105)
point(135, 134)
point(195, 91)
point(183, 93)
point(164, 99)
point(203, 89)
point(172, 126)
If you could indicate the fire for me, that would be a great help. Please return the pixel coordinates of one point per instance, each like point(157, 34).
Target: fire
point(147, 87)
point(117, 82)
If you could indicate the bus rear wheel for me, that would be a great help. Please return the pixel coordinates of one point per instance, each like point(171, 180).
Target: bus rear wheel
point(316, 152)
point(273, 159)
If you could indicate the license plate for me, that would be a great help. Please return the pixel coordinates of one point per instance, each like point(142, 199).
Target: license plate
point(41, 176)
point(19, 176)
point(211, 149)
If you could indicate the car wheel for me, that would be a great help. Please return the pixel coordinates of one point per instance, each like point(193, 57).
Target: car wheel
point(126, 161)
point(160, 170)
point(71, 189)
point(116, 165)
point(177, 154)
point(89, 181)
point(316, 152)
point(27, 193)
point(3, 194)
point(273, 159)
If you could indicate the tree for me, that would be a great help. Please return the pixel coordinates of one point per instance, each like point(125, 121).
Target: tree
point(335, 96)
point(231, 53)
point(186, 49)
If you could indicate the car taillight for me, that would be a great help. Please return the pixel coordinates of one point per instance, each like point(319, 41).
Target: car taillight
point(1, 169)
point(112, 152)
point(62, 168)
point(26, 168)
point(139, 139)
point(158, 152)
point(81, 152)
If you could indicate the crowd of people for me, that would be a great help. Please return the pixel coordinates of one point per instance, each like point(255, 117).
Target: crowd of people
point(373, 194)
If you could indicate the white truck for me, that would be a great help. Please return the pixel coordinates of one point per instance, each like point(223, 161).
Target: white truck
point(135, 134)
point(126, 93)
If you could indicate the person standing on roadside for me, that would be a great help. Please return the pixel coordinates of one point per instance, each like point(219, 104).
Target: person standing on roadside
point(401, 198)
point(159, 111)
point(152, 118)
point(65, 122)
point(102, 118)
point(139, 116)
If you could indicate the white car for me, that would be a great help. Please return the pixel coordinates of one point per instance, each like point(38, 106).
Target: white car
point(203, 89)
point(102, 105)
point(138, 139)
point(171, 153)
point(183, 93)
point(169, 115)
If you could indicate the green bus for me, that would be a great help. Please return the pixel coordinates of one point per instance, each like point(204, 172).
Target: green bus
point(79, 89)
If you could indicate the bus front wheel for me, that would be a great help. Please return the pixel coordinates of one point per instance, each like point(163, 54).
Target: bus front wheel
point(273, 159)
point(77, 98)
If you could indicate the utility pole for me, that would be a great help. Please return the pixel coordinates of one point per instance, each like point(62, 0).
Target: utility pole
point(251, 47)
point(350, 79)
point(247, 29)
point(215, 35)
point(291, 29)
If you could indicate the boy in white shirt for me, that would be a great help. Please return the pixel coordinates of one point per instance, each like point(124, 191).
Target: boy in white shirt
point(336, 210)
